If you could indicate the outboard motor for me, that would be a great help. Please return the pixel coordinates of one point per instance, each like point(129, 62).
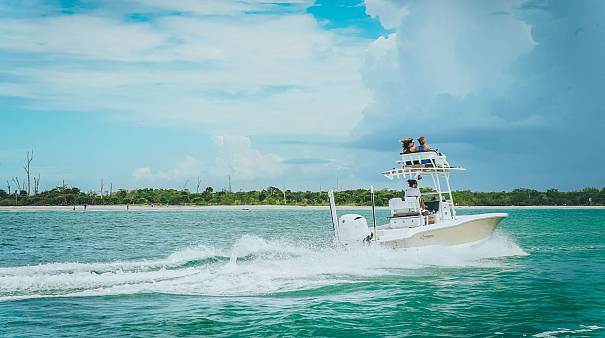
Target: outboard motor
point(353, 229)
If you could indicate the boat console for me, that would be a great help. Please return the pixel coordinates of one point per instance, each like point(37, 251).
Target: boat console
point(402, 208)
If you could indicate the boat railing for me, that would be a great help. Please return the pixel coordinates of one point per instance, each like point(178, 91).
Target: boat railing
point(424, 158)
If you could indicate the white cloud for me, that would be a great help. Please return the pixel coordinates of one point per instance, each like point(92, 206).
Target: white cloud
point(219, 68)
point(222, 7)
point(441, 52)
point(238, 158)
point(235, 156)
point(142, 174)
point(185, 168)
point(80, 36)
point(389, 12)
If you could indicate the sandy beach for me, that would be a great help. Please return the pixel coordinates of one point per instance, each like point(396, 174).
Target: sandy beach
point(240, 208)
point(171, 208)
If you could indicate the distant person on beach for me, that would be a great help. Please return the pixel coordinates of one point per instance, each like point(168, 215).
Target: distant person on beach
point(423, 146)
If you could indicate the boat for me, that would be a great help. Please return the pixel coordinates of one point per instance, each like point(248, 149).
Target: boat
point(410, 225)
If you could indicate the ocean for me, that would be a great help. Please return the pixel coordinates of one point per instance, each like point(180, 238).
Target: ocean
point(276, 273)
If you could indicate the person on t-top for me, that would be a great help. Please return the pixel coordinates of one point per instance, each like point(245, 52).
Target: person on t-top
point(408, 146)
point(423, 146)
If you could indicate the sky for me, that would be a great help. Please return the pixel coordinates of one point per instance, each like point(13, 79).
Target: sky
point(301, 94)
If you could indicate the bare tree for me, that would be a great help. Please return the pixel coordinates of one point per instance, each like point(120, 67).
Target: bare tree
point(185, 185)
point(37, 184)
point(18, 184)
point(29, 156)
point(197, 187)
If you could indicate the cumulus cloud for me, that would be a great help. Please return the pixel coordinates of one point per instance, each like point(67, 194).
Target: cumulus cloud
point(443, 51)
point(235, 156)
point(238, 158)
point(187, 167)
point(389, 12)
point(499, 85)
point(142, 173)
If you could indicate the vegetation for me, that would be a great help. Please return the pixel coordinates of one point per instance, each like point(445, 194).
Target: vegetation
point(275, 196)
point(26, 194)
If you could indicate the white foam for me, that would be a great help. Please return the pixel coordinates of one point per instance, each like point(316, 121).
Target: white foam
point(566, 332)
point(175, 259)
point(255, 267)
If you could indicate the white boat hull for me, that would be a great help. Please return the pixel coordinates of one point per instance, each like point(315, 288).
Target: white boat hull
point(463, 230)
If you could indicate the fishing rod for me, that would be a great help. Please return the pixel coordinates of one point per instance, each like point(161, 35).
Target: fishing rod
point(373, 211)
point(334, 216)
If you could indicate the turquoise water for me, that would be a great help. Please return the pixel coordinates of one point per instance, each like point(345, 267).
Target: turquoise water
point(274, 273)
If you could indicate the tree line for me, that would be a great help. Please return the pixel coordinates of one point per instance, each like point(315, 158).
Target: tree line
point(65, 195)
point(23, 192)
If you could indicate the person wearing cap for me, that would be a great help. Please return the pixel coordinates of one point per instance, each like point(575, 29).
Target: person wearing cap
point(423, 146)
point(413, 191)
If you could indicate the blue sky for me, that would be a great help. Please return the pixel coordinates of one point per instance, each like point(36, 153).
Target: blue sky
point(298, 94)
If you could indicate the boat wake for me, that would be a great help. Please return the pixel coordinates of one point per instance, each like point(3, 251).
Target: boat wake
point(251, 267)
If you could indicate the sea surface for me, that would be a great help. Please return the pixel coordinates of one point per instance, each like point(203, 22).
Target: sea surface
point(276, 273)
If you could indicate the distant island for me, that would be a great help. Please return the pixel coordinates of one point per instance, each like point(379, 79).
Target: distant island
point(67, 196)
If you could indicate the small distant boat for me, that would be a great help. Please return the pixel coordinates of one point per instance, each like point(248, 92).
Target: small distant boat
point(410, 225)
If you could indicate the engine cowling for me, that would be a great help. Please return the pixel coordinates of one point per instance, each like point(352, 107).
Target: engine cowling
point(353, 228)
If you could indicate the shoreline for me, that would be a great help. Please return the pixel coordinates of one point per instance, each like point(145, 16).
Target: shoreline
point(94, 208)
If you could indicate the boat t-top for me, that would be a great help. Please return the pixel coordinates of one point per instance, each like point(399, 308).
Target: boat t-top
point(417, 221)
